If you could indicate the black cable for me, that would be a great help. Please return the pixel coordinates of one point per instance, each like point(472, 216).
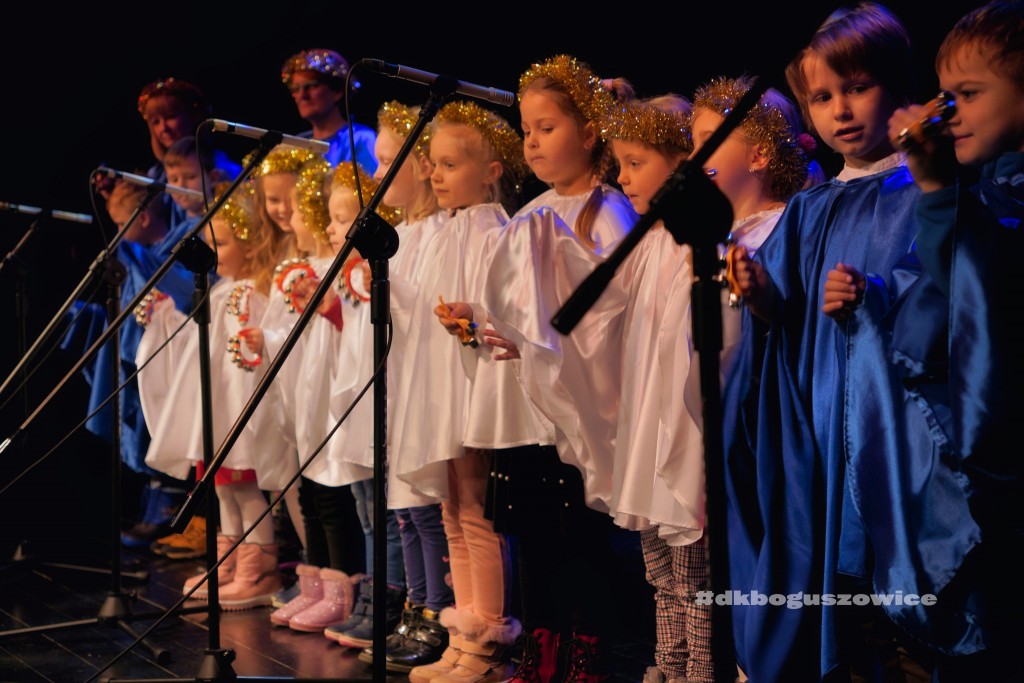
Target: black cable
point(352, 137)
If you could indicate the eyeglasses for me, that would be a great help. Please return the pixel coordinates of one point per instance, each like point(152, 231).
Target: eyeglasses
point(304, 87)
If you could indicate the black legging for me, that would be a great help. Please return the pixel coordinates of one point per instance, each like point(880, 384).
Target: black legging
point(334, 537)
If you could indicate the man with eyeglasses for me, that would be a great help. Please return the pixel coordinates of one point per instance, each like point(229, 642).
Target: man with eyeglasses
point(316, 80)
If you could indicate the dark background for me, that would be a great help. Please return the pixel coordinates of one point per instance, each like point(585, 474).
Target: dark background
point(73, 76)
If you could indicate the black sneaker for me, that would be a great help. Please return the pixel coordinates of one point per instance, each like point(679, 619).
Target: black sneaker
point(423, 645)
point(361, 635)
point(396, 639)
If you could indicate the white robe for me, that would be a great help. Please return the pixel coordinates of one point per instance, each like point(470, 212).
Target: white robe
point(619, 389)
point(428, 407)
point(512, 420)
point(405, 269)
point(170, 390)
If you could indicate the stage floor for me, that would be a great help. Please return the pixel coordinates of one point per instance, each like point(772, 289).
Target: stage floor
point(38, 594)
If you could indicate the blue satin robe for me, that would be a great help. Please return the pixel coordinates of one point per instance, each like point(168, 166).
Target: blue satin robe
point(90, 319)
point(940, 486)
point(792, 528)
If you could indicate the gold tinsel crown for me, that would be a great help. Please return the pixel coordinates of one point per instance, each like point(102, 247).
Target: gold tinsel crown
point(496, 130)
point(766, 125)
point(312, 203)
point(282, 159)
point(585, 89)
point(642, 121)
point(238, 210)
point(322, 61)
point(402, 119)
point(345, 176)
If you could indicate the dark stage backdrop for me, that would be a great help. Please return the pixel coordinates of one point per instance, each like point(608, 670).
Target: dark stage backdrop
point(73, 75)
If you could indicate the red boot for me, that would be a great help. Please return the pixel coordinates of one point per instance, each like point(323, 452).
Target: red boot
point(586, 660)
point(539, 663)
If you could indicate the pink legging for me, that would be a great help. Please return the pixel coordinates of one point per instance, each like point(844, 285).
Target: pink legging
point(479, 556)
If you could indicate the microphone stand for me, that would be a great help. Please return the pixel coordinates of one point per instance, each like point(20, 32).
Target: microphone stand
point(21, 297)
point(99, 266)
point(377, 242)
point(189, 243)
point(115, 610)
point(267, 143)
point(686, 200)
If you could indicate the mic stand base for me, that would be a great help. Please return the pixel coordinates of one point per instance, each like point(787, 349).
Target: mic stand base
point(116, 607)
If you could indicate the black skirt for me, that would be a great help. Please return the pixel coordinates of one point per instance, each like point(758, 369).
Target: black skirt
point(532, 491)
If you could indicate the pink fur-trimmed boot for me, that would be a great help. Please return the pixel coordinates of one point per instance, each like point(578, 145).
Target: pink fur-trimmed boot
point(335, 606)
point(256, 578)
point(311, 591)
point(225, 572)
point(485, 651)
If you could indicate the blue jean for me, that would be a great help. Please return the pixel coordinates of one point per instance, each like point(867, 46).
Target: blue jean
point(363, 493)
point(425, 549)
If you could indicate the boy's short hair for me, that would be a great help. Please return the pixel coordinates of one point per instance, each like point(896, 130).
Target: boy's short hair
point(867, 38)
point(128, 196)
point(186, 148)
point(998, 29)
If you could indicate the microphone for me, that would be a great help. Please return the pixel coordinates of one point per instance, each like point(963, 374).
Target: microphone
point(318, 146)
point(492, 95)
point(143, 180)
point(35, 211)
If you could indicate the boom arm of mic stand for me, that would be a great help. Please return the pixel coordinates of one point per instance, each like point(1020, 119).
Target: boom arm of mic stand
point(268, 142)
point(12, 255)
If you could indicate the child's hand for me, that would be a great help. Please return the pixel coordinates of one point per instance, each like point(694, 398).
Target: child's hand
point(103, 185)
point(302, 292)
point(511, 352)
point(748, 273)
point(450, 314)
point(844, 288)
point(750, 277)
point(253, 338)
point(930, 158)
point(752, 282)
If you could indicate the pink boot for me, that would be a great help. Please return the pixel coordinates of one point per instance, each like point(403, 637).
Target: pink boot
point(256, 578)
point(225, 572)
point(311, 591)
point(335, 606)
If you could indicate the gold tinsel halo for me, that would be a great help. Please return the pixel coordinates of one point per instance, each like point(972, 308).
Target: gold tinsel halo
point(496, 130)
point(402, 119)
point(326, 62)
point(282, 159)
point(345, 176)
point(584, 87)
point(641, 121)
point(764, 123)
point(238, 211)
point(312, 202)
